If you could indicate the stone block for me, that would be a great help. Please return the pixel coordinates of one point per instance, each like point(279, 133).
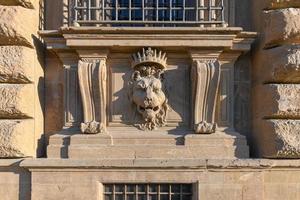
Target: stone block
point(24, 3)
point(17, 24)
point(16, 101)
point(221, 191)
point(278, 138)
point(281, 64)
point(16, 138)
point(132, 145)
point(16, 64)
point(277, 4)
point(15, 181)
point(277, 101)
point(282, 26)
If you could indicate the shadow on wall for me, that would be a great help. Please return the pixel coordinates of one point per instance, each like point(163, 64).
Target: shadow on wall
point(19, 184)
point(53, 14)
point(242, 97)
point(40, 86)
point(121, 99)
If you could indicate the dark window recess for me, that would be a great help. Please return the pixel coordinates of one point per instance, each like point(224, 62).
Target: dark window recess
point(153, 191)
point(148, 12)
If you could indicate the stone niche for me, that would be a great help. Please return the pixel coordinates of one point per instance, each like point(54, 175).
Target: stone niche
point(148, 92)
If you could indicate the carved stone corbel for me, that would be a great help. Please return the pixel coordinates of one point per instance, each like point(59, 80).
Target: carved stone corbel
point(205, 76)
point(92, 74)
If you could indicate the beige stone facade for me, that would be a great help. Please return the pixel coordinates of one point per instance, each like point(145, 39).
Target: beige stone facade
point(275, 66)
point(203, 94)
point(21, 82)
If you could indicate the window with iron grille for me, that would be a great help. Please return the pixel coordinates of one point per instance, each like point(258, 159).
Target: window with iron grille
point(148, 12)
point(148, 191)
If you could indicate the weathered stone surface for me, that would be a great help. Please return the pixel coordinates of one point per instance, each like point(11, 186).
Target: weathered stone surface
point(212, 179)
point(282, 26)
point(16, 64)
point(15, 101)
point(279, 138)
point(16, 26)
point(278, 101)
point(282, 64)
point(277, 4)
point(16, 138)
point(24, 3)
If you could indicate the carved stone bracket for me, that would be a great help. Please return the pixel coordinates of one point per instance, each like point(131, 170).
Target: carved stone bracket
point(92, 74)
point(205, 75)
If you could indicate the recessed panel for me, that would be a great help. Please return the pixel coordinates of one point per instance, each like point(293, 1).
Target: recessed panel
point(175, 86)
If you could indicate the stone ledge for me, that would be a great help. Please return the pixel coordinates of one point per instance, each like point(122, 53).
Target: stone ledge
point(160, 163)
point(184, 37)
point(131, 145)
point(151, 30)
point(10, 162)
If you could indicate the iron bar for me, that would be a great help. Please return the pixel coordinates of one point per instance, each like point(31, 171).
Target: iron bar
point(143, 10)
point(156, 13)
point(76, 11)
point(130, 6)
point(103, 10)
point(209, 11)
point(146, 22)
point(89, 9)
point(213, 12)
point(170, 4)
point(117, 10)
point(222, 12)
point(183, 10)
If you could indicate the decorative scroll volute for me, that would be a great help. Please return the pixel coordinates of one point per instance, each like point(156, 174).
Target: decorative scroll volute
point(92, 74)
point(205, 75)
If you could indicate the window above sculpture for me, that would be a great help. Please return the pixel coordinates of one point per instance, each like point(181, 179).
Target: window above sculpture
point(166, 13)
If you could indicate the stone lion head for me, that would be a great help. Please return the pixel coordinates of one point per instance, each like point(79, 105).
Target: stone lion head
point(148, 96)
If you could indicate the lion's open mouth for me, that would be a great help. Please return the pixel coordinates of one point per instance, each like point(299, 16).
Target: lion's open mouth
point(156, 108)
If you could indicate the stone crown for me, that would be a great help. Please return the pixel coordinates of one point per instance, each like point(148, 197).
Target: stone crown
point(150, 57)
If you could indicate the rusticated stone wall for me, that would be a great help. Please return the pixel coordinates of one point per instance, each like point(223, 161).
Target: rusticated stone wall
point(276, 82)
point(21, 79)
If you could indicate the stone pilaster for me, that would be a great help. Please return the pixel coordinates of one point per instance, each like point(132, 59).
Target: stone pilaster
point(226, 100)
